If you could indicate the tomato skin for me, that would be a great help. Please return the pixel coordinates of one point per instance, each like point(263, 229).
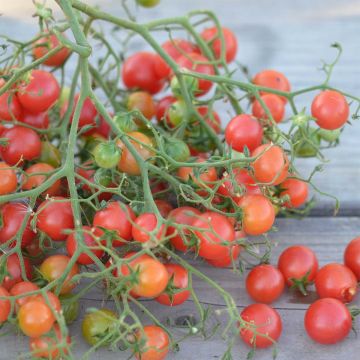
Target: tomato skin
point(50, 154)
point(39, 120)
point(184, 215)
point(138, 71)
point(336, 281)
point(54, 217)
point(228, 259)
point(156, 346)
point(212, 118)
point(148, 3)
point(5, 305)
point(143, 102)
point(202, 179)
point(10, 107)
point(259, 214)
point(327, 321)
point(216, 229)
point(88, 114)
point(35, 318)
point(297, 190)
point(272, 164)
point(152, 275)
point(212, 37)
point(106, 155)
point(352, 256)
point(51, 300)
point(267, 321)
point(33, 180)
point(330, 109)
point(54, 266)
point(8, 180)
point(23, 144)
point(40, 93)
point(244, 130)
point(164, 207)
point(14, 273)
point(89, 241)
point(117, 217)
point(265, 283)
point(275, 105)
point(22, 288)
point(272, 79)
point(143, 225)
point(162, 108)
point(296, 262)
point(199, 64)
point(127, 163)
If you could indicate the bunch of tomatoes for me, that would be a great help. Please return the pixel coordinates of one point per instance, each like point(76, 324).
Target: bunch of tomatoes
point(110, 189)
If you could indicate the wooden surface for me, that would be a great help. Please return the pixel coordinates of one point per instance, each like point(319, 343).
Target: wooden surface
point(291, 36)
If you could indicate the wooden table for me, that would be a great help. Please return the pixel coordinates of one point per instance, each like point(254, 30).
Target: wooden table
point(291, 36)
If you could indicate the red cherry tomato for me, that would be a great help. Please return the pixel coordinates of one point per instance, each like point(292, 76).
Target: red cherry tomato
point(327, 321)
point(10, 107)
point(54, 216)
point(244, 130)
point(164, 207)
point(5, 305)
point(330, 109)
point(352, 256)
point(211, 118)
point(178, 280)
point(258, 214)
point(22, 288)
point(40, 92)
point(144, 225)
point(143, 102)
point(275, 105)
point(215, 236)
point(39, 120)
point(298, 263)
point(14, 272)
point(272, 79)
point(213, 38)
point(226, 260)
point(88, 114)
point(89, 242)
point(162, 108)
point(267, 322)
point(154, 343)
point(8, 180)
point(22, 144)
point(336, 281)
point(297, 191)
point(265, 283)
point(12, 215)
point(47, 43)
point(138, 72)
point(184, 215)
point(116, 217)
point(272, 164)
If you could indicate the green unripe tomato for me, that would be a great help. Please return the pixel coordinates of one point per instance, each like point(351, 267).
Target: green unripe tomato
point(106, 155)
point(97, 324)
point(191, 84)
point(50, 154)
point(70, 308)
point(306, 146)
point(177, 149)
point(177, 112)
point(103, 177)
point(301, 119)
point(124, 122)
point(329, 135)
point(148, 3)
point(64, 96)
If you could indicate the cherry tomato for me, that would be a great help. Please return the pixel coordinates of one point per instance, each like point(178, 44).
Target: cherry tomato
point(5, 305)
point(213, 38)
point(162, 108)
point(272, 79)
point(275, 105)
point(116, 217)
point(106, 155)
point(35, 318)
point(244, 130)
point(212, 118)
point(14, 273)
point(54, 216)
point(35, 251)
point(176, 113)
point(267, 322)
point(164, 207)
point(155, 343)
point(352, 256)
point(8, 180)
point(88, 114)
point(228, 259)
point(54, 266)
point(215, 236)
point(199, 64)
point(138, 72)
point(298, 263)
point(88, 238)
point(184, 215)
point(148, 3)
point(40, 92)
point(70, 308)
point(34, 178)
point(178, 279)
point(152, 276)
point(10, 107)
point(336, 281)
point(297, 191)
point(97, 324)
point(50, 154)
point(128, 164)
point(330, 109)
point(265, 283)
point(22, 144)
point(143, 102)
point(177, 149)
point(327, 321)
point(49, 299)
point(12, 215)
point(272, 164)
point(22, 288)
point(258, 214)
point(143, 227)
point(39, 120)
